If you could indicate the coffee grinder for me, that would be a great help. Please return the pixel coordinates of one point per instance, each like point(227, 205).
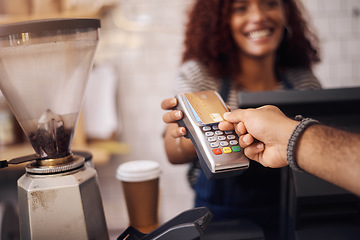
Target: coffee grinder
point(44, 68)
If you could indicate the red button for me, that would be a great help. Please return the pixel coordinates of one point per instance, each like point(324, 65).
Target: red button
point(217, 151)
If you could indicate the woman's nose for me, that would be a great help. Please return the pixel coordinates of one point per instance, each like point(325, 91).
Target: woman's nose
point(257, 14)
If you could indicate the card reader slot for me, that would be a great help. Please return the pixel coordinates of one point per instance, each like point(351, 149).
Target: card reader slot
point(230, 169)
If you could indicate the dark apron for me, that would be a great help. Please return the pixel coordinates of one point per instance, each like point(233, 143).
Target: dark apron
point(254, 195)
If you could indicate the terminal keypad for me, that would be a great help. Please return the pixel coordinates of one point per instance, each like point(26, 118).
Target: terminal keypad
point(221, 142)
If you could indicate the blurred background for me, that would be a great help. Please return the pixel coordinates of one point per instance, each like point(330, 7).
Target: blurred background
point(139, 53)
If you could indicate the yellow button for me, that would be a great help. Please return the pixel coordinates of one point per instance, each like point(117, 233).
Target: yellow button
point(226, 150)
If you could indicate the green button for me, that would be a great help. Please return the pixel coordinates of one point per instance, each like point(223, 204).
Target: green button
point(236, 148)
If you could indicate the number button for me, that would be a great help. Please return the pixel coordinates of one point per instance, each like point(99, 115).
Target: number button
point(221, 138)
point(206, 128)
point(211, 139)
point(231, 137)
point(219, 132)
point(209, 134)
point(223, 144)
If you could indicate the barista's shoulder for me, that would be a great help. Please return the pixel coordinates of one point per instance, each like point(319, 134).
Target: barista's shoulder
point(302, 78)
point(193, 67)
point(194, 76)
point(195, 71)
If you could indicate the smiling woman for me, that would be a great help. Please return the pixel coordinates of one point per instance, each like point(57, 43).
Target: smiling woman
point(233, 46)
point(208, 36)
point(257, 26)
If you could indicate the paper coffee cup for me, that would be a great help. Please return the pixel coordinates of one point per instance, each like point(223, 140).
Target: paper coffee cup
point(140, 182)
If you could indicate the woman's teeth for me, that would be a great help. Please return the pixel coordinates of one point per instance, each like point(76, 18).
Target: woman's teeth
point(259, 34)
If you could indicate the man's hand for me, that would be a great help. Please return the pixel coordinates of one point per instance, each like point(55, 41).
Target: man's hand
point(263, 133)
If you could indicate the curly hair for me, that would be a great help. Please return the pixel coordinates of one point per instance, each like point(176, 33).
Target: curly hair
point(208, 38)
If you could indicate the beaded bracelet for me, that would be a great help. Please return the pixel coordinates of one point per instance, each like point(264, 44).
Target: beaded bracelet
point(295, 136)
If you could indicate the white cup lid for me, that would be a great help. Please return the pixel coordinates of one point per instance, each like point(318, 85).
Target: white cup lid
point(138, 170)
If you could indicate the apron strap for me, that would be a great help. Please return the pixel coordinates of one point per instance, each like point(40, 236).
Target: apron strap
point(225, 88)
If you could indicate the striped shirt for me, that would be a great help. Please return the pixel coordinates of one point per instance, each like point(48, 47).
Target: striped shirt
point(194, 77)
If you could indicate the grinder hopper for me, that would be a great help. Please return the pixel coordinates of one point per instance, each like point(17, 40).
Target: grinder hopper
point(44, 68)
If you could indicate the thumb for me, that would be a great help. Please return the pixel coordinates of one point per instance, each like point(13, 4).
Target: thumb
point(235, 116)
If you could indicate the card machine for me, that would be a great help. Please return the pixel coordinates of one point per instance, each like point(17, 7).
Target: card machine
point(218, 151)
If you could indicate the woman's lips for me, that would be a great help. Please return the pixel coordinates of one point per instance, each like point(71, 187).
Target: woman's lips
point(258, 34)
